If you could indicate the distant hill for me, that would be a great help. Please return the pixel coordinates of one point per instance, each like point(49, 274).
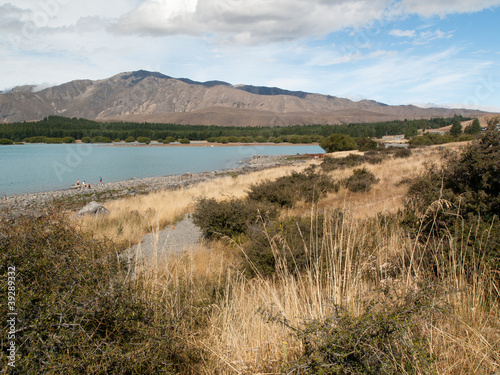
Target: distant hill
point(144, 96)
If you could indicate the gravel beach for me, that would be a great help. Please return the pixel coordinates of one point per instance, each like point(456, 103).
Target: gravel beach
point(35, 202)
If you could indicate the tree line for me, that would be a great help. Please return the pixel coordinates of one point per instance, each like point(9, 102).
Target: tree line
point(78, 128)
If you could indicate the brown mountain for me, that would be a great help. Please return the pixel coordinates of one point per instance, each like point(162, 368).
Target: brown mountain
point(153, 97)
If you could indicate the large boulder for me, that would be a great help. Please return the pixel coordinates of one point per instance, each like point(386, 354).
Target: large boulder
point(93, 208)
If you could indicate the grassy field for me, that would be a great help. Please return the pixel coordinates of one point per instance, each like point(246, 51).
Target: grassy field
point(370, 297)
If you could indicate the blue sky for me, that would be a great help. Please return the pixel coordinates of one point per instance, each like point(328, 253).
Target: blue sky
point(421, 52)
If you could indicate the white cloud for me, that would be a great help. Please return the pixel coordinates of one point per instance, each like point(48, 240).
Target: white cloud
point(403, 33)
point(429, 8)
point(249, 21)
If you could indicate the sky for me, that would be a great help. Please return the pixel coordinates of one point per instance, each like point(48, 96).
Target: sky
point(424, 52)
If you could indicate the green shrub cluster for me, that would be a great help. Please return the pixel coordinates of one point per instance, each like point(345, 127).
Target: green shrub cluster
point(402, 152)
point(145, 140)
point(287, 190)
point(254, 220)
point(76, 311)
point(378, 341)
point(350, 161)
point(5, 141)
point(230, 218)
point(438, 139)
point(184, 141)
point(101, 139)
point(461, 200)
point(361, 180)
point(289, 245)
point(129, 139)
point(49, 140)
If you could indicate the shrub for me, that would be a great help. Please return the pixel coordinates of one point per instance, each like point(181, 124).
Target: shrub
point(117, 140)
point(223, 140)
point(461, 197)
point(287, 190)
point(379, 341)
point(168, 140)
point(76, 313)
point(292, 244)
point(366, 144)
point(184, 141)
point(38, 139)
point(101, 139)
point(331, 164)
point(145, 140)
point(473, 128)
point(68, 140)
point(229, 218)
point(129, 139)
point(5, 141)
point(361, 180)
point(86, 140)
point(402, 152)
point(260, 139)
point(338, 142)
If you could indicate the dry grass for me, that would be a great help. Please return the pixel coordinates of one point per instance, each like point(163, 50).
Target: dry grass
point(133, 217)
point(241, 320)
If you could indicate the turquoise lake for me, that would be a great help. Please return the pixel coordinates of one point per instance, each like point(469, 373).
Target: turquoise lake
point(34, 168)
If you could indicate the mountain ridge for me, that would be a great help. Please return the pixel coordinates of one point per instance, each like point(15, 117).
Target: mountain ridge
point(145, 96)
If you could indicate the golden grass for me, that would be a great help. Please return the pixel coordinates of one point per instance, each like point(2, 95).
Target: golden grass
point(133, 217)
point(242, 331)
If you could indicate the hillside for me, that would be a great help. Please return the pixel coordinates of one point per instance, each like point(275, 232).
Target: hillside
point(144, 96)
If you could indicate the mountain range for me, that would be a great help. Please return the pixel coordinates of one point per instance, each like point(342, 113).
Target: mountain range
point(144, 96)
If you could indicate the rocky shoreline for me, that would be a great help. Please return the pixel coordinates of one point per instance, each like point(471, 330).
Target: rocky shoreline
point(70, 198)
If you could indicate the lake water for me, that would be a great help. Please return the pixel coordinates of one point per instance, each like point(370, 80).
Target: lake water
point(34, 168)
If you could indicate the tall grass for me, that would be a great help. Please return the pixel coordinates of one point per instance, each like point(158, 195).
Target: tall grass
point(363, 270)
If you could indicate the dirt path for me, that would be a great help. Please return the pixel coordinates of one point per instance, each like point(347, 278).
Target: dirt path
point(155, 247)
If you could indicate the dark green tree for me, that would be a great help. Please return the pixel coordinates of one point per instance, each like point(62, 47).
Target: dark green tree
point(338, 142)
point(474, 128)
point(456, 128)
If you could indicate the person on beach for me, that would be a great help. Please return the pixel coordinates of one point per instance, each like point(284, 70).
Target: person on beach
point(100, 180)
point(77, 182)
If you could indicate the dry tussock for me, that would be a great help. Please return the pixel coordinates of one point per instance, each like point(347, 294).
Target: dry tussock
point(245, 323)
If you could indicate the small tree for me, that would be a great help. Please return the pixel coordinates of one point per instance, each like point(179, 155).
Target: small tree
point(130, 139)
point(456, 128)
point(145, 140)
point(338, 142)
point(474, 128)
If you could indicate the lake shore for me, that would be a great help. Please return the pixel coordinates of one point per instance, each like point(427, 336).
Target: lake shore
point(75, 197)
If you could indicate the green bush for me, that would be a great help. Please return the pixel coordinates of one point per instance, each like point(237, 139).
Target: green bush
point(287, 190)
point(76, 311)
point(117, 140)
point(260, 139)
point(101, 139)
point(402, 152)
point(379, 341)
point(473, 128)
point(5, 141)
point(86, 140)
point(461, 197)
point(68, 140)
point(144, 140)
point(338, 142)
point(184, 141)
point(366, 144)
point(129, 139)
point(292, 244)
point(229, 218)
point(361, 180)
point(168, 140)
